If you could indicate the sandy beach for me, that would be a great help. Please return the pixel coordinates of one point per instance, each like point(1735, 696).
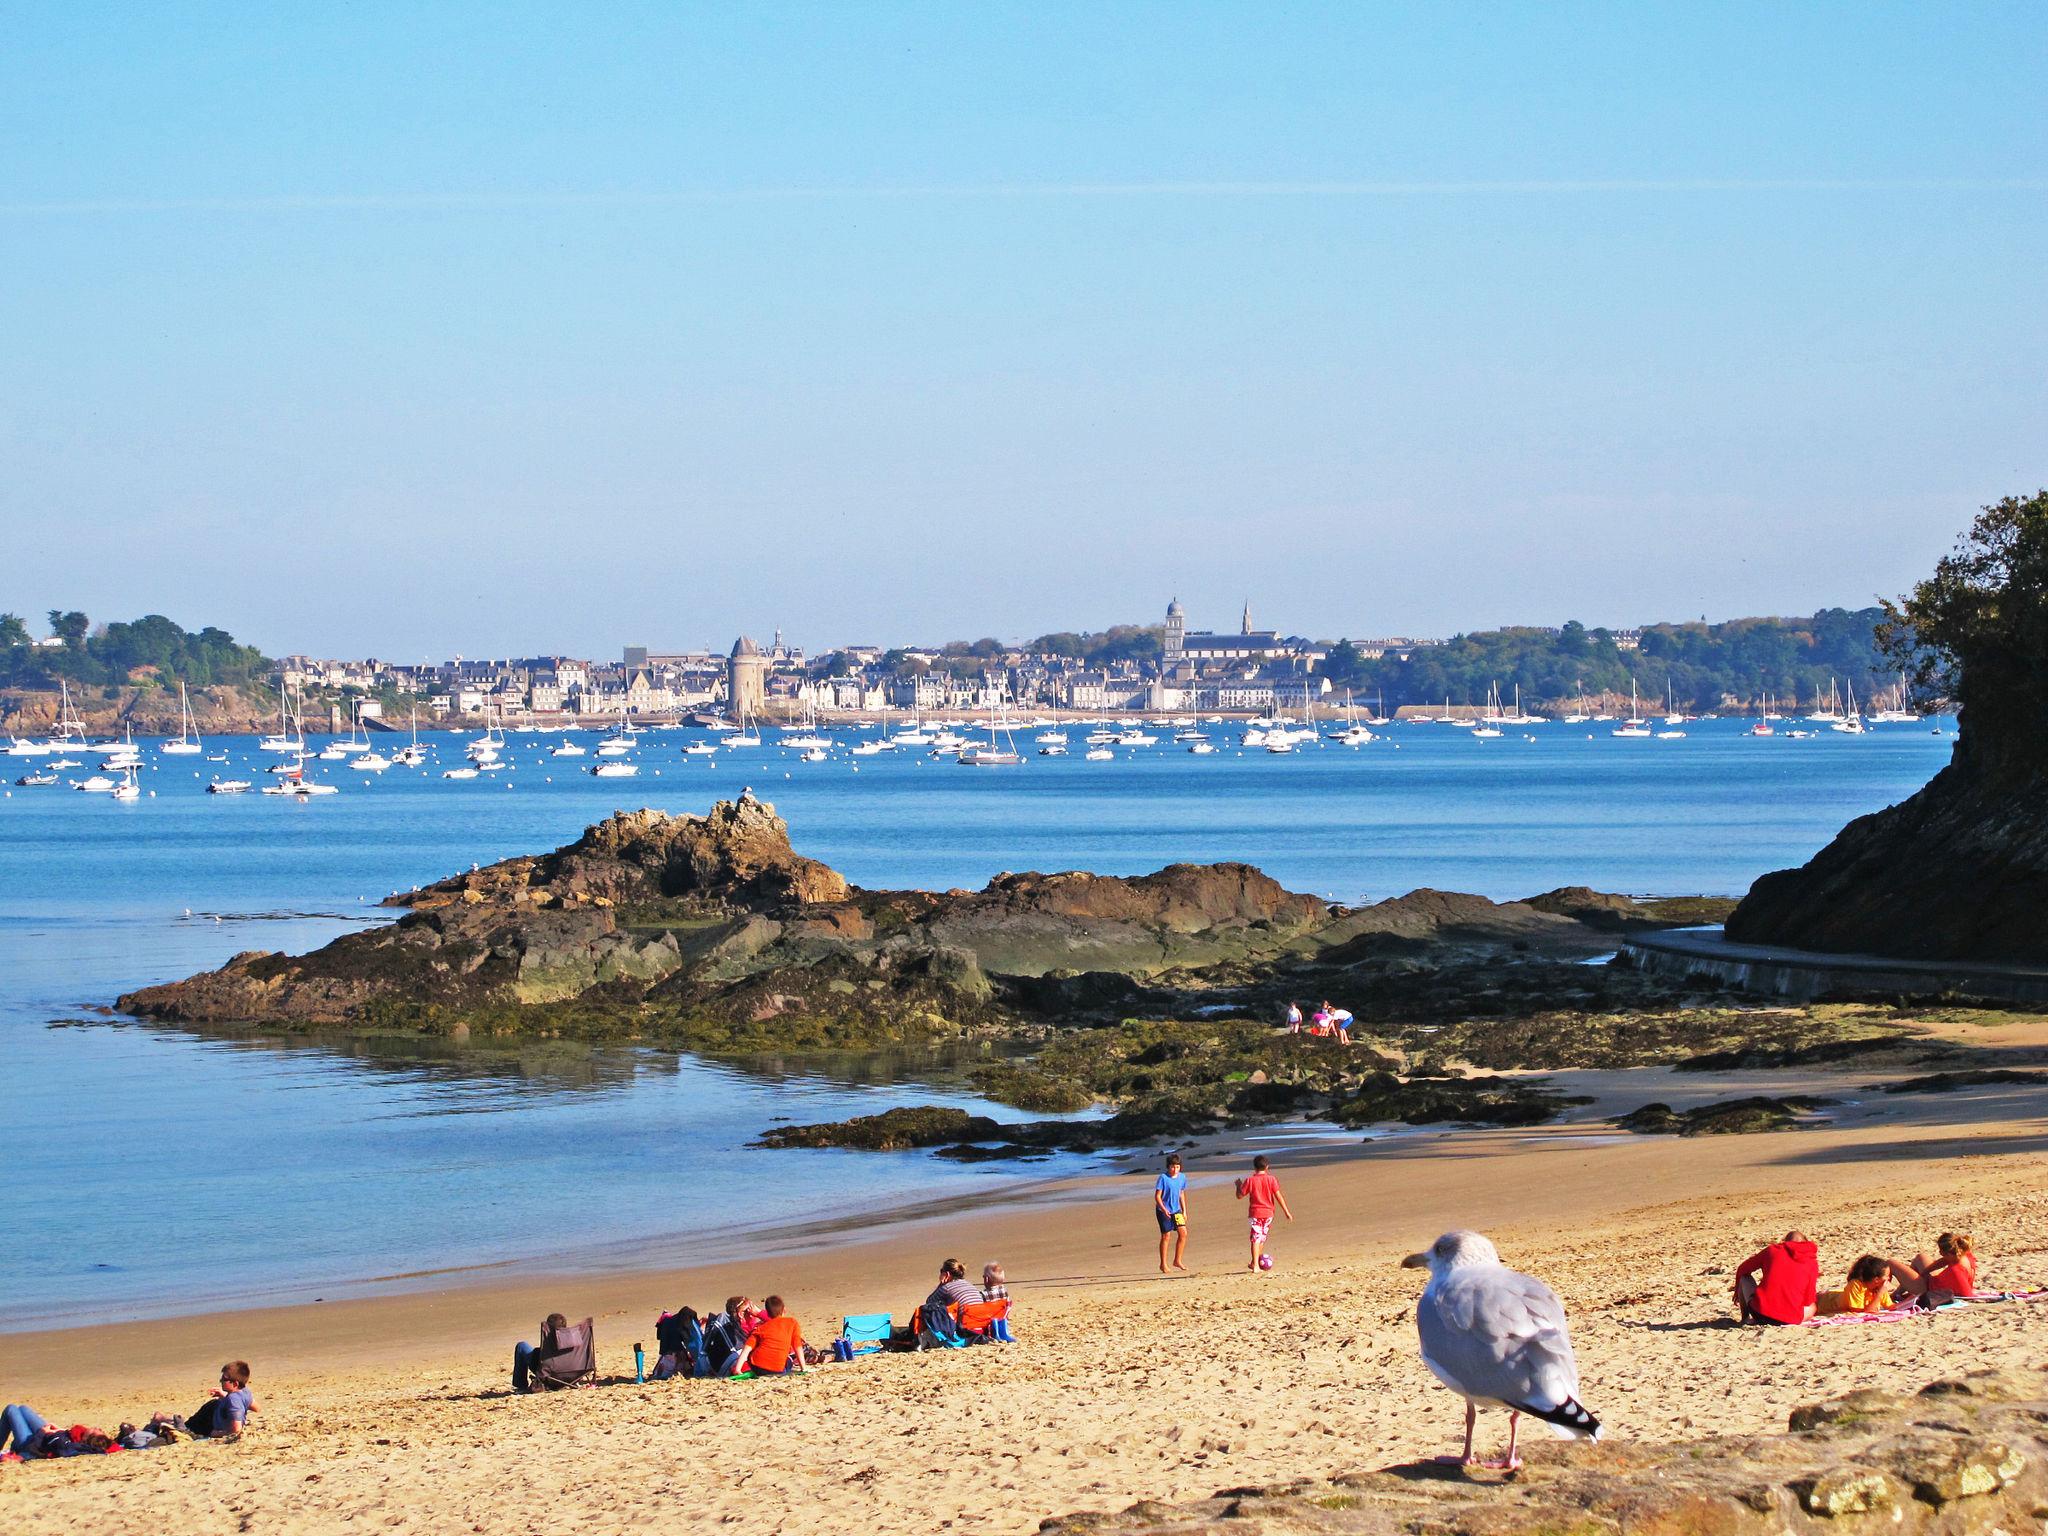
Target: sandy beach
point(394, 1413)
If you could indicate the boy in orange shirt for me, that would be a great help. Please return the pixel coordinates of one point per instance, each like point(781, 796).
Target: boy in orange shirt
point(777, 1345)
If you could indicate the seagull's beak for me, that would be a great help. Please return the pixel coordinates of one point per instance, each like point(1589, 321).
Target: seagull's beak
point(1416, 1261)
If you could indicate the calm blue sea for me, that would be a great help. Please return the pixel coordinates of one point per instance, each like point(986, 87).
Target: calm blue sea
point(136, 1156)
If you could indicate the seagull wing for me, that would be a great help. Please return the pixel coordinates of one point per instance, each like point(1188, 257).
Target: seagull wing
point(1498, 1336)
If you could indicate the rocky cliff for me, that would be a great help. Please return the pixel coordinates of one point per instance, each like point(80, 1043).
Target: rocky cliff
point(1967, 1455)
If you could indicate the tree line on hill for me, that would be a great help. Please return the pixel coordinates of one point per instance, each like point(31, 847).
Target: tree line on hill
point(1702, 666)
point(148, 650)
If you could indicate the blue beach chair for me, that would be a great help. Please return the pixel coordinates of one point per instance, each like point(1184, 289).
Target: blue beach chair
point(863, 1333)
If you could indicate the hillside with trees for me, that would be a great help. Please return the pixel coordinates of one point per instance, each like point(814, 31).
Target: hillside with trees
point(148, 652)
point(1705, 666)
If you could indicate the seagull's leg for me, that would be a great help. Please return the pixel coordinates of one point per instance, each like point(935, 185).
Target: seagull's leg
point(1511, 1461)
point(1464, 1459)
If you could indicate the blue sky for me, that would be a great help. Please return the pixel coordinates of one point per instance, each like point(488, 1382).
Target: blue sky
point(419, 330)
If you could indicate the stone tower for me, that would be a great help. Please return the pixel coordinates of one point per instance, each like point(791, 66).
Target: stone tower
point(1247, 617)
point(746, 679)
point(1176, 629)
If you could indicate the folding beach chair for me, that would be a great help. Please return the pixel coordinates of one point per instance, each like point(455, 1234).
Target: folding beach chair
point(863, 1333)
point(985, 1320)
point(568, 1358)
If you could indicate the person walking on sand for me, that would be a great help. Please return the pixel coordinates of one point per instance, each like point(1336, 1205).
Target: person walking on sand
point(1170, 1205)
point(1261, 1193)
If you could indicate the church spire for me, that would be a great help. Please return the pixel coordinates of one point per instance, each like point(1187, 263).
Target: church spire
point(1247, 629)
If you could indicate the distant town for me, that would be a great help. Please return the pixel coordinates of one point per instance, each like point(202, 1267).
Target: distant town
point(138, 669)
point(1167, 667)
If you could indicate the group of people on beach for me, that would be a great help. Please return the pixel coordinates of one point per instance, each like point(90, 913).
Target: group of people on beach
point(1325, 1022)
point(743, 1338)
point(1779, 1285)
point(26, 1435)
point(1260, 1191)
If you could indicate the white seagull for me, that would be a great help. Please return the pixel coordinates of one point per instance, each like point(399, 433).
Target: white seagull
point(1497, 1339)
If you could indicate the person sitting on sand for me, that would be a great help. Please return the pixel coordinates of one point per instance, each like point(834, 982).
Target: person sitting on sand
point(1934, 1282)
point(1261, 1193)
point(777, 1346)
point(993, 1286)
point(526, 1358)
point(1779, 1284)
point(1869, 1289)
point(223, 1416)
point(1170, 1206)
point(725, 1337)
point(26, 1436)
point(954, 1289)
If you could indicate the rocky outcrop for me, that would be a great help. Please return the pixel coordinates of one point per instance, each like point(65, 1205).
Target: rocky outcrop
point(712, 931)
point(1968, 1455)
point(1957, 872)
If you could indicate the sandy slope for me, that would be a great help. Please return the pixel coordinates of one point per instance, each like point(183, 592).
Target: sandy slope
point(393, 1414)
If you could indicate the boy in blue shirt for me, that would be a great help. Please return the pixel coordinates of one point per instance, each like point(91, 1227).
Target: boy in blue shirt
point(1170, 1205)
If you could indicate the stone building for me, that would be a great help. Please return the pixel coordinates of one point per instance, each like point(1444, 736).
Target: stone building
point(746, 679)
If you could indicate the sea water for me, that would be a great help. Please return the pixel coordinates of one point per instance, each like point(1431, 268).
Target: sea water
point(148, 1170)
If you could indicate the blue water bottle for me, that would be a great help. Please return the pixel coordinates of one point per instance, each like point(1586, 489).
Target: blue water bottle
point(639, 1365)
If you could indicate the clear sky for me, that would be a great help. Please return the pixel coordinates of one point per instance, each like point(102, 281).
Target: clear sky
point(411, 330)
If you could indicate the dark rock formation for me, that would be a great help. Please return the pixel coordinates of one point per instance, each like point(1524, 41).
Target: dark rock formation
point(1969, 1455)
point(710, 931)
point(1957, 872)
point(1729, 1117)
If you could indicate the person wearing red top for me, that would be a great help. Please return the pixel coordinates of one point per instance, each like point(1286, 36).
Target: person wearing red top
point(1934, 1281)
point(1261, 1193)
point(1779, 1284)
point(778, 1344)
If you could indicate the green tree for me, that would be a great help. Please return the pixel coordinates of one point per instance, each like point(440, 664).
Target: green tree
point(13, 631)
point(1976, 631)
point(71, 627)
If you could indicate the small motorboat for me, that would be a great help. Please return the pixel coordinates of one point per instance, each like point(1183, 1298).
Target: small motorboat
point(229, 787)
point(37, 778)
point(458, 773)
point(614, 770)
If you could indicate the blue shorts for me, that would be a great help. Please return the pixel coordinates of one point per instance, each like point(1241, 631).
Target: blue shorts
point(1175, 1222)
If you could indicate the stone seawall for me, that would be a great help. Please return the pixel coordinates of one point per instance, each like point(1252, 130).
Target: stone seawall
point(1802, 975)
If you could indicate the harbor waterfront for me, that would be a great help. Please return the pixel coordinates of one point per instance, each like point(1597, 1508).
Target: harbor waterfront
point(294, 1155)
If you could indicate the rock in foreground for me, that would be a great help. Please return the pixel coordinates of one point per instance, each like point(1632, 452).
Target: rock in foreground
point(1969, 1455)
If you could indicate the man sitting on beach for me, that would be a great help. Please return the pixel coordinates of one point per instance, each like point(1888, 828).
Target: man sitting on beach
point(1778, 1284)
point(1261, 1193)
point(725, 1337)
point(778, 1344)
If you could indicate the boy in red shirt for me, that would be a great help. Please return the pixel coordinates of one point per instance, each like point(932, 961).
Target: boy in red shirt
point(1261, 1193)
point(1778, 1284)
point(777, 1345)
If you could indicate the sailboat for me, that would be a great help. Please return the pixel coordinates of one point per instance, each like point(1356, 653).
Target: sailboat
point(1763, 720)
point(411, 756)
point(127, 789)
point(1851, 723)
point(1635, 725)
point(1581, 714)
point(1489, 720)
point(291, 734)
point(188, 743)
point(994, 755)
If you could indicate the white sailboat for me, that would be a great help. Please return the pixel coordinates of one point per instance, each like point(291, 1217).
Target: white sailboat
point(188, 743)
point(291, 735)
point(1635, 725)
point(995, 754)
point(1851, 723)
point(127, 789)
point(410, 756)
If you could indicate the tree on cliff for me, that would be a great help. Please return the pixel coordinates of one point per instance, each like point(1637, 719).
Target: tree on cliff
point(1958, 871)
point(71, 627)
point(1976, 631)
point(13, 632)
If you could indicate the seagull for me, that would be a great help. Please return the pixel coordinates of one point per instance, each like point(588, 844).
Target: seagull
point(1498, 1339)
